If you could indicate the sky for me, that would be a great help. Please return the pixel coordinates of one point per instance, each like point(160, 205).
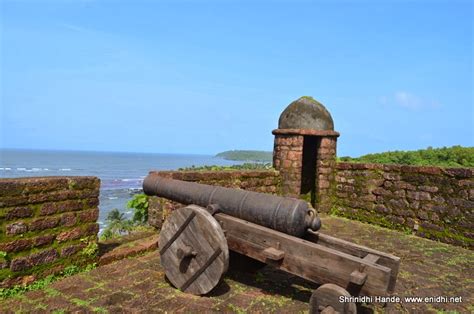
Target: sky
point(202, 77)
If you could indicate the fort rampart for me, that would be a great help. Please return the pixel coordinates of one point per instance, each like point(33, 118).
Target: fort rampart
point(46, 224)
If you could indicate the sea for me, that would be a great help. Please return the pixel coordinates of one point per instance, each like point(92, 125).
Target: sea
point(121, 174)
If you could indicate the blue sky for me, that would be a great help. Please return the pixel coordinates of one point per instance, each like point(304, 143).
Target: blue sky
point(207, 76)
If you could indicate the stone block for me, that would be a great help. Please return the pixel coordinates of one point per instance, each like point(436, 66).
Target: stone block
point(73, 234)
point(19, 264)
point(322, 184)
point(419, 196)
point(43, 224)
point(381, 191)
point(19, 212)
point(16, 245)
point(460, 172)
point(16, 228)
point(400, 193)
point(61, 207)
point(44, 257)
point(68, 220)
point(286, 164)
point(382, 209)
point(71, 250)
point(89, 215)
point(431, 226)
point(466, 183)
point(398, 204)
point(44, 240)
point(404, 185)
point(391, 176)
point(426, 188)
point(422, 215)
point(387, 184)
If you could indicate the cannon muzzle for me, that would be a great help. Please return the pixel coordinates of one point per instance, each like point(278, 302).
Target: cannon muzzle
point(289, 215)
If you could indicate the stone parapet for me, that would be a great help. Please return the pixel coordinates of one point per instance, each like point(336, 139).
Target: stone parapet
point(432, 202)
point(45, 224)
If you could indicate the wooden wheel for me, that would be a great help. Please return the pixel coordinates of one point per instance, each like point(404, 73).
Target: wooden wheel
point(325, 299)
point(193, 250)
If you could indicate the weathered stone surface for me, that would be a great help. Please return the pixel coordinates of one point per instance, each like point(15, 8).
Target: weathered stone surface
point(43, 223)
point(16, 245)
point(31, 208)
point(306, 113)
point(16, 228)
point(60, 207)
point(43, 257)
point(71, 250)
point(70, 235)
point(19, 212)
point(19, 264)
point(90, 215)
point(436, 196)
point(68, 220)
point(419, 196)
point(44, 240)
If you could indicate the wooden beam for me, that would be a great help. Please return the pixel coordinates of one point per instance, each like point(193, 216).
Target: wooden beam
point(303, 258)
point(273, 254)
point(385, 259)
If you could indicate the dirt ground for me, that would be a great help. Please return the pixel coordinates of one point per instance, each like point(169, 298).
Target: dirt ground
point(138, 284)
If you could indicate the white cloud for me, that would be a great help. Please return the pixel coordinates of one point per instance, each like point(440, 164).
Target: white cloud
point(408, 100)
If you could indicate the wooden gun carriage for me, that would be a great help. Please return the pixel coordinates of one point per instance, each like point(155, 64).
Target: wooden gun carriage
point(195, 241)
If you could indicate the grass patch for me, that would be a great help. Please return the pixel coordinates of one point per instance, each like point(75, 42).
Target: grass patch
point(44, 282)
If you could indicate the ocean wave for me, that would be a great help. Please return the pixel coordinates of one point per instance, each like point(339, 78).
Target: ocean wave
point(65, 169)
point(34, 169)
point(112, 197)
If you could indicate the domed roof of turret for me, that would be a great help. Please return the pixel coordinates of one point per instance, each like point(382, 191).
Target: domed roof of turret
point(306, 113)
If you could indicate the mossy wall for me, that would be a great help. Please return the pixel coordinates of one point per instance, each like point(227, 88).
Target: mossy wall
point(432, 202)
point(46, 224)
point(266, 181)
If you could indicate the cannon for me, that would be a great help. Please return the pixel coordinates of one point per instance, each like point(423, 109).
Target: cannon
point(195, 240)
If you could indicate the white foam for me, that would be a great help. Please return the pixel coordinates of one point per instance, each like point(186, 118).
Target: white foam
point(8, 169)
point(21, 169)
point(113, 198)
point(65, 169)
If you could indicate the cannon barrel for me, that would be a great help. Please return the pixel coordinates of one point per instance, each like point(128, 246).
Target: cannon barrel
point(289, 215)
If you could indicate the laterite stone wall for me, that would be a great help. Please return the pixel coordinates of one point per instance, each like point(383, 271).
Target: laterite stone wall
point(45, 225)
point(431, 202)
point(266, 181)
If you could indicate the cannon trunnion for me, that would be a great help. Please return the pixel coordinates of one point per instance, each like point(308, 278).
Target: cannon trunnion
point(195, 241)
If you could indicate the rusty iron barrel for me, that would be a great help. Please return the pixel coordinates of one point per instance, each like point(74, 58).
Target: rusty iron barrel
point(289, 215)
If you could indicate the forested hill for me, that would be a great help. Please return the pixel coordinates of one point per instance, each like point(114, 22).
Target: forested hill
point(456, 156)
point(246, 155)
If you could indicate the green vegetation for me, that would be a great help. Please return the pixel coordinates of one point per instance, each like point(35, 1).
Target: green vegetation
point(44, 282)
point(245, 166)
point(246, 155)
point(456, 156)
point(117, 224)
point(91, 249)
point(140, 205)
